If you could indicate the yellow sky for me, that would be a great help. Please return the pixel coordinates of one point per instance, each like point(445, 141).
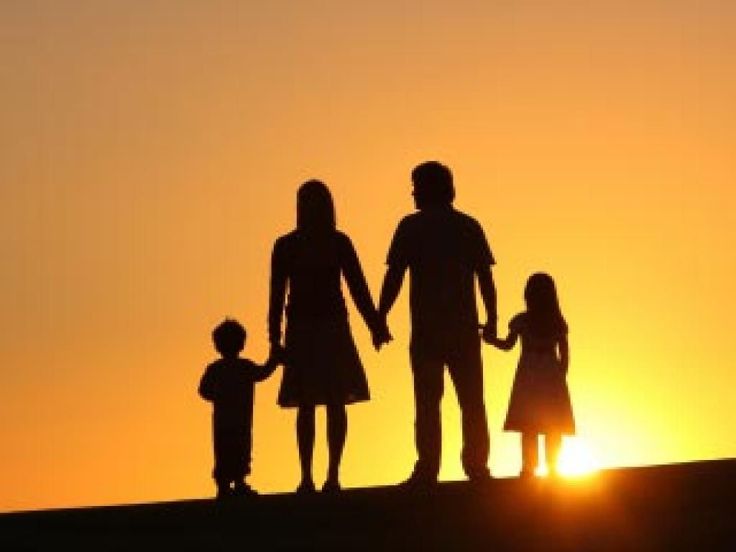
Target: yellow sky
point(150, 154)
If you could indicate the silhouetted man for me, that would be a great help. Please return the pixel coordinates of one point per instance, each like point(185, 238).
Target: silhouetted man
point(445, 251)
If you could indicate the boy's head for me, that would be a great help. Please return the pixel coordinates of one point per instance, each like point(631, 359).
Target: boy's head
point(229, 338)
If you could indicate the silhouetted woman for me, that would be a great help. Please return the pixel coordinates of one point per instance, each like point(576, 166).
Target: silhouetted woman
point(322, 363)
point(540, 401)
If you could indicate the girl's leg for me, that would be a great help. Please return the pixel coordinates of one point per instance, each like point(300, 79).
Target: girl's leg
point(552, 446)
point(337, 428)
point(529, 454)
point(305, 442)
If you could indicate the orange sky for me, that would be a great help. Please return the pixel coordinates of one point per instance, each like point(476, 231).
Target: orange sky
point(150, 154)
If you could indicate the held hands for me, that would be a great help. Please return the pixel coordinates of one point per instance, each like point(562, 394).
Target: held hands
point(380, 334)
point(489, 333)
point(277, 355)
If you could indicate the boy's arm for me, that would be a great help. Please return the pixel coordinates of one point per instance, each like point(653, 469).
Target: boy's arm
point(564, 348)
point(207, 385)
point(277, 296)
point(275, 358)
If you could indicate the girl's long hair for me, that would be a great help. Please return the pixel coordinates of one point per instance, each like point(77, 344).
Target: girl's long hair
point(315, 210)
point(543, 306)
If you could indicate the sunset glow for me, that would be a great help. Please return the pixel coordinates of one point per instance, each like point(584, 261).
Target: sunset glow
point(151, 153)
point(576, 459)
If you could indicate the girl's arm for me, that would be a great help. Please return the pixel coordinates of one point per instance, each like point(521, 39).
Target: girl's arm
point(504, 344)
point(564, 349)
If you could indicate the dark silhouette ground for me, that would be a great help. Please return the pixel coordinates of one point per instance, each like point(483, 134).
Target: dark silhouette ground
point(675, 507)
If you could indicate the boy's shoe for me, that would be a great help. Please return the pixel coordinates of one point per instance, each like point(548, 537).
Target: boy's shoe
point(331, 486)
point(306, 487)
point(243, 489)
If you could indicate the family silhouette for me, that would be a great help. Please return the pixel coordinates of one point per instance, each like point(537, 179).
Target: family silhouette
point(445, 253)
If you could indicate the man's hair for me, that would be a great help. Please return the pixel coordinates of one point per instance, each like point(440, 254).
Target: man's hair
point(433, 184)
point(229, 337)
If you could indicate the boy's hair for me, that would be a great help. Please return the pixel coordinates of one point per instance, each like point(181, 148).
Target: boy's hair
point(229, 337)
point(433, 184)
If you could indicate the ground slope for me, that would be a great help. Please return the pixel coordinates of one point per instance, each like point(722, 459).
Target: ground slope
point(675, 507)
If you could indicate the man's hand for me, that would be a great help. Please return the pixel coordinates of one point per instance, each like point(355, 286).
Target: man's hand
point(490, 332)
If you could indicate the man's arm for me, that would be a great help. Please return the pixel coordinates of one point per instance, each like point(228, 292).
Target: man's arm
point(488, 294)
point(390, 289)
point(389, 292)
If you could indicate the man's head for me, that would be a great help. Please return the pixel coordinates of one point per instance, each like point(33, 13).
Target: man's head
point(432, 185)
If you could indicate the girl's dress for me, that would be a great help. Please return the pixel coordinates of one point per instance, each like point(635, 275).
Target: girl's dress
point(322, 364)
point(540, 400)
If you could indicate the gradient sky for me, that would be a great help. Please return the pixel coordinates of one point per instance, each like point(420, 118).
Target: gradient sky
point(150, 152)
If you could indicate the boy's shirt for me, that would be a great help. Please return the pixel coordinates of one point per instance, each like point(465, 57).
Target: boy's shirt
point(229, 385)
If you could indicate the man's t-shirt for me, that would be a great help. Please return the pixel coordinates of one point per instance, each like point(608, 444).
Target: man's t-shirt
point(442, 248)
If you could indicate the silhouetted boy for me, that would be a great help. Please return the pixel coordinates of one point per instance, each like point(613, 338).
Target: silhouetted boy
point(229, 384)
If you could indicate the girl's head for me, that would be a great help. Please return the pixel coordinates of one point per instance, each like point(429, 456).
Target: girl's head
point(229, 338)
point(542, 304)
point(315, 209)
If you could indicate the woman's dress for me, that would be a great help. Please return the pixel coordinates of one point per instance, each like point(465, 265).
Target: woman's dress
point(322, 363)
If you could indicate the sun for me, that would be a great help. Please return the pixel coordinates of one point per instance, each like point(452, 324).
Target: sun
point(576, 459)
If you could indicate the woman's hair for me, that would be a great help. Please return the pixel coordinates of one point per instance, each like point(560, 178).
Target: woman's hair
point(229, 337)
point(543, 306)
point(315, 210)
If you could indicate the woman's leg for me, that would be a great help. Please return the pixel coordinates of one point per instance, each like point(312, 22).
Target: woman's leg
point(337, 428)
point(305, 442)
point(552, 446)
point(529, 454)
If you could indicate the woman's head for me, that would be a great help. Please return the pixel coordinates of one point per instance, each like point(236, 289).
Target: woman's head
point(542, 303)
point(315, 209)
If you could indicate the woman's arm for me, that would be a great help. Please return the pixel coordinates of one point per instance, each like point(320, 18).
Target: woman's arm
point(358, 286)
point(278, 294)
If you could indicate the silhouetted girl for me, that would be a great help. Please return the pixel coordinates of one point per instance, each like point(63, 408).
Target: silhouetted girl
point(322, 364)
point(540, 401)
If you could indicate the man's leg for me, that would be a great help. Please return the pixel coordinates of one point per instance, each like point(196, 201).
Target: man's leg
point(466, 371)
point(428, 388)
